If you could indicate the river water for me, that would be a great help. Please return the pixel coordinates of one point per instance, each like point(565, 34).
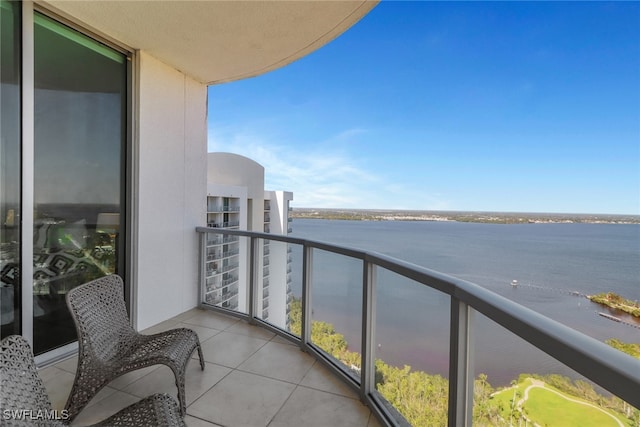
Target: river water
point(551, 262)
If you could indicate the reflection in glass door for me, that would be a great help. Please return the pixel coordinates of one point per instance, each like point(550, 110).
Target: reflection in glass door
point(9, 168)
point(80, 137)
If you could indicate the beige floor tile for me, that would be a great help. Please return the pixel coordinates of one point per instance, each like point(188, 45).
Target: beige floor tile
point(242, 399)
point(162, 380)
point(50, 371)
point(102, 394)
point(187, 314)
point(123, 381)
point(244, 328)
point(373, 421)
point(197, 422)
point(104, 408)
point(160, 327)
point(321, 378)
point(58, 384)
point(314, 408)
point(281, 340)
point(230, 349)
point(209, 319)
point(279, 361)
point(69, 365)
point(202, 332)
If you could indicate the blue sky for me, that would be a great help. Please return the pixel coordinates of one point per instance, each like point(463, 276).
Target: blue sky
point(496, 106)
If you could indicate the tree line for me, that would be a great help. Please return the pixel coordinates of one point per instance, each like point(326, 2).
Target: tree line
point(422, 398)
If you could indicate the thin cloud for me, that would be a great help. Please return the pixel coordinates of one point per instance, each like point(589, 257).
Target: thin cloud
point(321, 178)
point(317, 178)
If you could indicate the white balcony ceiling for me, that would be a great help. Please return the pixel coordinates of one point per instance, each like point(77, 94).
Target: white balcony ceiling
point(219, 41)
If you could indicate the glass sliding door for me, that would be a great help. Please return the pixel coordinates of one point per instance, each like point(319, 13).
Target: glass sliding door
point(10, 171)
point(79, 161)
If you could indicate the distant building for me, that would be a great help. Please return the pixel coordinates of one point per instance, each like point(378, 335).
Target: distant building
point(236, 199)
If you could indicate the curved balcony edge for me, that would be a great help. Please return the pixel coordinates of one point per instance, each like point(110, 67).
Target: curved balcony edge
point(611, 369)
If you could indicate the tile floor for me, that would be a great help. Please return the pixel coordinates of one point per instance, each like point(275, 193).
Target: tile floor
point(252, 378)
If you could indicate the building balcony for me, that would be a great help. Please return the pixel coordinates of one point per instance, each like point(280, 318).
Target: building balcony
point(229, 281)
point(230, 253)
point(226, 224)
point(220, 240)
point(223, 209)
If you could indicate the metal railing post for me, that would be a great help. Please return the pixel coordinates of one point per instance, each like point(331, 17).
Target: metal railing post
point(203, 267)
point(368, 363)
point(307, 269)
point(461, 381)
point(253, 270)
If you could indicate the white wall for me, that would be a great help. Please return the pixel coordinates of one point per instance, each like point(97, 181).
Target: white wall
point(279, 224)
point(239, 171)
point(279, 210)
point(170, 196)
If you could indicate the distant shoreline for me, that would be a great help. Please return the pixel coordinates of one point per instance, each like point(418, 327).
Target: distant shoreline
point(481, 217)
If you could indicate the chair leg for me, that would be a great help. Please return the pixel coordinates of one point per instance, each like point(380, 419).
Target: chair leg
point(201, 357)
point(182, 401)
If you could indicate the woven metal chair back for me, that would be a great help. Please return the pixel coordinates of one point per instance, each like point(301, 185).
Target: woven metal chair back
point(21, 389)
point(101, 318)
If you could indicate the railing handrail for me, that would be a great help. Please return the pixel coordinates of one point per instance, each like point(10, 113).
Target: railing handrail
point(610, 368)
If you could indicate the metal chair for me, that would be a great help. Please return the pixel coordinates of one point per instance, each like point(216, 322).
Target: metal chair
point(24, 400)
point(110, 347)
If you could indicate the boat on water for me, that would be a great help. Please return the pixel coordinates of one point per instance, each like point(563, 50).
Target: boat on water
point(514, 283)
point(610, 317)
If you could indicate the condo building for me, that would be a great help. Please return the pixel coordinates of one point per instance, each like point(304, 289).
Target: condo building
point(237, 200)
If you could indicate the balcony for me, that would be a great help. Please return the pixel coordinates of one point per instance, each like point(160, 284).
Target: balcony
point(220, 240)
point(224, 224)
point(252, 378)
point(369, 286)
point(223, 209)
point(250, 360)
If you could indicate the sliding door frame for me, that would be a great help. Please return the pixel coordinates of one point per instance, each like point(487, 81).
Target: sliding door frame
point(129, 162)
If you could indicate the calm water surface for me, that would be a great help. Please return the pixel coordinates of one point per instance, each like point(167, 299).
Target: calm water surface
point(550, 262)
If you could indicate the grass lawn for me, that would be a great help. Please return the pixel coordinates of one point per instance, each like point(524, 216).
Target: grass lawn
point(547, 408)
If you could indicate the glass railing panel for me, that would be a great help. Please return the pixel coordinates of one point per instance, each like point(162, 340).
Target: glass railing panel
point(273, 292)
point(411, 347)
point(336, 307)
point(516, 383)
point(293, 286)
point(226, 271)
